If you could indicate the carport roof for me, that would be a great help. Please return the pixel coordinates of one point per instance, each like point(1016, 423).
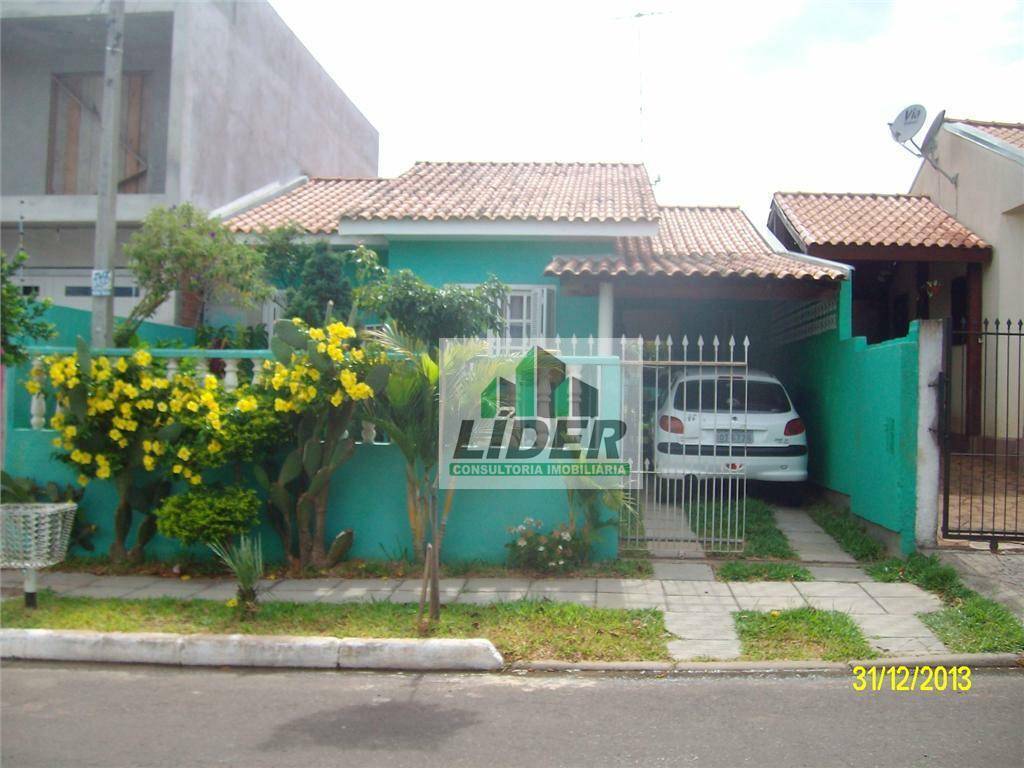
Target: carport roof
point(697, 241)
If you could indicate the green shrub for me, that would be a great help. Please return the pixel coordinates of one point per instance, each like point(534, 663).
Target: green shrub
point(208, 515)
point(557, 551)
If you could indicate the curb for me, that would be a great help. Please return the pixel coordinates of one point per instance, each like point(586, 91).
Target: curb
point(974, 660)
point(398, 654)
point(277, 651)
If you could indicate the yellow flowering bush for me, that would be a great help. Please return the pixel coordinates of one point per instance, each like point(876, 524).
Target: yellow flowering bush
point(107, 410)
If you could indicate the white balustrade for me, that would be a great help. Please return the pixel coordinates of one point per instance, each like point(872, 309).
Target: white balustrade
point(37, 406)
point(369, 432)
point(202, 368)
point(257, 370)
point(172, 367)
point(230, 374)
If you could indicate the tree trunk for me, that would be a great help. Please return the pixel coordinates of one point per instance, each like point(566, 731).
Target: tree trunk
point(412, 505)
point(122, 522)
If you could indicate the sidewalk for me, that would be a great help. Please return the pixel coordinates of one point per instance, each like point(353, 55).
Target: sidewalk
point(697, 610)
point(996, 575)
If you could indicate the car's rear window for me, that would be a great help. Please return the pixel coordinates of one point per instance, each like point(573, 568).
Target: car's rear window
point(734, 394)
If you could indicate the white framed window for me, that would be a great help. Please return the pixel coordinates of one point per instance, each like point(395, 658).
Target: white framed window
point(529, 312)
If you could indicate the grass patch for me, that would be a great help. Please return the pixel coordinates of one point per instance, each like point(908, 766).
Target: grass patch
point(802, 633)
point(762, 536)
point(522, 630)
point(746, 570)
point(977, 625)
point(849, 532)
point(926, 572)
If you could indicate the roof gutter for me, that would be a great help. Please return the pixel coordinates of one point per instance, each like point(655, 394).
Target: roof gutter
point(846, 269)
point(986, 140)
point(257, 197)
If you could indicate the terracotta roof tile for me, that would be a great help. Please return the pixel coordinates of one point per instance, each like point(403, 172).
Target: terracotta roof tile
point(316, 206)
point(870, 219)
point(514, 192)
point(696, 241)
point(1011, 133)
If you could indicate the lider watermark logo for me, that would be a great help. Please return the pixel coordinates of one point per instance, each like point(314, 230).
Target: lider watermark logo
point(539, 416)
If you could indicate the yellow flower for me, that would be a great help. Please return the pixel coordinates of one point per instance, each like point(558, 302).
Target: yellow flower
point(142, 357)
point(83, 480)
point(210, 382)
point(121, 365)
point(195, 479)
point(162, 407)
point(317, 334)
point(115, 434)
point(56, 442)
point(176, 469)
point(184, 453)
point(148, 462)
point(158, 448)
point(247, 404)
point(193, 406)
point(103, 472)
point(213, 447)
point(232, 603)
point(32, 386)
point(70, 431)
point(122, 443)
point(281, 405)
point(336, 398)
point(57, 421)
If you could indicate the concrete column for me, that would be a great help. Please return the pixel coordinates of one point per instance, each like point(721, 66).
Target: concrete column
point(929, 367)
point(605, 317)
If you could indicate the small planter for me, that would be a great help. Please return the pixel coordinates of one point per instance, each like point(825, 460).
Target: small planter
point(34, 536)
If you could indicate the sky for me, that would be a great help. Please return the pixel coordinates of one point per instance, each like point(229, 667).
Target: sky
point(725, 103)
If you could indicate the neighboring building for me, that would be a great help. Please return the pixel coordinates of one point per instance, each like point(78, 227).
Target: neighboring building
point(219, 98)
point(987, 161)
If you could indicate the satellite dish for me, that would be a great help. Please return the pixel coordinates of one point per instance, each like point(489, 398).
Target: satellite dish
point(928, 145)
point(907, 123)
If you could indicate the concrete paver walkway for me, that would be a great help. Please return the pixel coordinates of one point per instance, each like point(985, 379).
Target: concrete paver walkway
point(808, 538)
point(698, 611)
point(999, 575)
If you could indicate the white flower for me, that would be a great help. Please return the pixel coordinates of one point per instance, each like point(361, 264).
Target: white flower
point(551, 565)
point(521, 542)
point(566, 536)
point(561, 562)
point(540, 548)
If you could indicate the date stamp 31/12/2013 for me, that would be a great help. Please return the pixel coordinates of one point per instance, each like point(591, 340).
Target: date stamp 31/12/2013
point(902, 679)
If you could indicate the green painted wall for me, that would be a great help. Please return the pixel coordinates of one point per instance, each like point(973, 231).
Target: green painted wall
point(368, 493)
point(859, 402)
point(512, 261)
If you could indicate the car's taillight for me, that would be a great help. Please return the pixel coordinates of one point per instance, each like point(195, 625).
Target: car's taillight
point(671, 424)
point(795, 427)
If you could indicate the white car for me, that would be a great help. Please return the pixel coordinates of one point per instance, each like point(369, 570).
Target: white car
point(711, 424)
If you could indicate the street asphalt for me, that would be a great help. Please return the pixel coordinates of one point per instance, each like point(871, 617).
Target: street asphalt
point(75, 715)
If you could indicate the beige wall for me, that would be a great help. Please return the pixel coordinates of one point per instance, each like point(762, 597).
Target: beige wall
point(989, 200)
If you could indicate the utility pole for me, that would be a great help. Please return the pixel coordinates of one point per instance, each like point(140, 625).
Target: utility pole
point(106, 191)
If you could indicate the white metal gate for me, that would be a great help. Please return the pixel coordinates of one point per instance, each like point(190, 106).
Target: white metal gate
point(690, 492)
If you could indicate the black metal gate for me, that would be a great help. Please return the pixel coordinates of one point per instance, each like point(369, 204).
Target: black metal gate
point(982, 418)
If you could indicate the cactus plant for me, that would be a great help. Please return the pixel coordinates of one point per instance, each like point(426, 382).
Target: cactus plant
point(324, 378)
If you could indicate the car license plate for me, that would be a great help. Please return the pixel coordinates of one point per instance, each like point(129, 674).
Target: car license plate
point(734, 436)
